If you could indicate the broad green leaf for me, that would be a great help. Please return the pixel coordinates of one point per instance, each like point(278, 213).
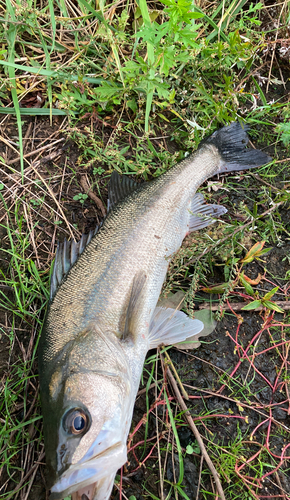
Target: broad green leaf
point(265, 250)
point(247, 286)
point(271, 293)
point(252, 305)
point(272, 306)
point(252, 253)
point(256, 281)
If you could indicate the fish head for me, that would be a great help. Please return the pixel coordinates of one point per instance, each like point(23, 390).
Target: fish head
point(87, 409)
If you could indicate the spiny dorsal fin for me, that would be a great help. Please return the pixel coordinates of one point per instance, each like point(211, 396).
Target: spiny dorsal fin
point(67, 253)
point(119, 188)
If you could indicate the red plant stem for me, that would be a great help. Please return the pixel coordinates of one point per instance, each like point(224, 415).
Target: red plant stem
point(142, 442)
point(218, 416)
point(256, 428)
point(146, 458)
point(245, 355)
point(250, 459)
point(121, 483)
point(145, 417)
point(286, 342)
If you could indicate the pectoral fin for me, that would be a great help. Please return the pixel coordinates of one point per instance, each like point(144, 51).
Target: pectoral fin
point(134, 301)
point(169, 326)
point(202, 215)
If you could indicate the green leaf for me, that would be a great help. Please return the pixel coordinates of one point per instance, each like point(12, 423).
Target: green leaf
point(216, 289)
point(247, 286)
point(107, 91)
point(262, 252)
point(272, 306)
point(284, 128)
point(271, 293)
point(132, 104)
point(192, 449)
point(52, 74)
point(182, 493)
point(196, 15)
point(252, 305)
point(253, 252)
point(33, 111)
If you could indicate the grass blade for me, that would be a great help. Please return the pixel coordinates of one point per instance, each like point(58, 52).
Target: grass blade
point(11, 37)
point(50, 73)
point(34, 111)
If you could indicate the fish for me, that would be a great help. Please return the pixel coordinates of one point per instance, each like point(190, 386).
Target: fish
point(103, 315)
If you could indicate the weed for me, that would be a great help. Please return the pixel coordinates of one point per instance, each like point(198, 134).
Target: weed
point(81, 197)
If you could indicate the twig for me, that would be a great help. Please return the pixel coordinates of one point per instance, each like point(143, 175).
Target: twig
point(199, 477)
point(169, 362)
point(274, 48)
point(91, 194)
point(39, 150)
point(22, 481)
point(196, 433)
point(244, 405)
point(260, 179)
point(161, 484)
point(238, 306)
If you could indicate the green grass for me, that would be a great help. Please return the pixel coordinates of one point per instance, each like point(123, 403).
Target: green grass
point(134, 87)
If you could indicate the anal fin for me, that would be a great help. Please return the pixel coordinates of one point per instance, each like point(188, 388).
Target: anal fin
point(202, 215)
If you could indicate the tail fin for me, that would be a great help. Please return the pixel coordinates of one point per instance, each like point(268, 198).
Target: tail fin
point(231, 142)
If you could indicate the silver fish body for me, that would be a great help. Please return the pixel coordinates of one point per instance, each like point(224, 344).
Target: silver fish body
point(97, 330)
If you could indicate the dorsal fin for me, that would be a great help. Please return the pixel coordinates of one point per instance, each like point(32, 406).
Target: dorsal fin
point(119, 187)
point(67, 253)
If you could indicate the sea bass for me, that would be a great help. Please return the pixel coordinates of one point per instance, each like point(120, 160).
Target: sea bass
point(102, 317)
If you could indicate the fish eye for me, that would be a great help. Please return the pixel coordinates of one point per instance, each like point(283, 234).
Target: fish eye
point(76, 422)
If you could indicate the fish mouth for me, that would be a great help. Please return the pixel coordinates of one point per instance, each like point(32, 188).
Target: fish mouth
point(93, 479)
